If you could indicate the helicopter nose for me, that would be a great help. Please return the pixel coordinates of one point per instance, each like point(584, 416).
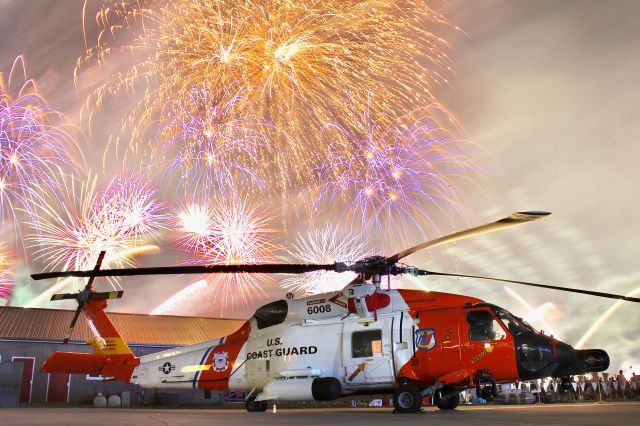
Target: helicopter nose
point(592, 360)
point(572, 362)
point(543, 356)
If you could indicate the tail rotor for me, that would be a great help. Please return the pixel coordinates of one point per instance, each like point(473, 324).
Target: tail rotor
point(85, 295)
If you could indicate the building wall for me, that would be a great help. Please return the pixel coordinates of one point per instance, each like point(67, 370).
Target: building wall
point(83, 391)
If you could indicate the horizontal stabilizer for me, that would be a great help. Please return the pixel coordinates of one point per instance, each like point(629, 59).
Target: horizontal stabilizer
point(117, 366)
point(75, 363)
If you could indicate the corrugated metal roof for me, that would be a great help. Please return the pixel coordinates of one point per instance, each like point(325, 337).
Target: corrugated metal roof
point(52, 324)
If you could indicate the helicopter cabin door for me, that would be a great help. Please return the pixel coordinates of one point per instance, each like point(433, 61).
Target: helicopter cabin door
point(366, 352)
point(451, 350)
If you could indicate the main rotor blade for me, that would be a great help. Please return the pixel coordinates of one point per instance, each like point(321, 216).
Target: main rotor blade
point(514, 219)
point(95, 268)
point(266, 268)
point(550, 287)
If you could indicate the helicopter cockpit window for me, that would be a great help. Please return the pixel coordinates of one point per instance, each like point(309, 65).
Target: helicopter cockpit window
point(514, 324)
point(271, 314)
point(483, 326)
point(366, 343)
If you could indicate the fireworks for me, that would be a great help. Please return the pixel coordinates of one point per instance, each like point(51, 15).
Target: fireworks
point(34, 150)
point(228, 232)
point(6, 283)
point(537, 315)
point(324, 246)
point(176, 302)
point(603, 319)
point(129, 205)
point(117, 220)
point(195, 224)
point(390, 180)
point(297, 61)
point(209, 147)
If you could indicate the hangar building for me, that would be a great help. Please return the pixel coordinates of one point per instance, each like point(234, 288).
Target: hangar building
point(29, 335)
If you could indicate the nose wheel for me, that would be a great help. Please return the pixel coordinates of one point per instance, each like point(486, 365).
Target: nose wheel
point(407, 399)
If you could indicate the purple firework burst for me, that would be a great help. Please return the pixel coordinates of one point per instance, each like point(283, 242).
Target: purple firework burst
point(209, 146)
point(390, 181)
point(35, 151)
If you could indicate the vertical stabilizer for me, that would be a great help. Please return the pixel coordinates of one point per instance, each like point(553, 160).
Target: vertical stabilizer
point(107, 340)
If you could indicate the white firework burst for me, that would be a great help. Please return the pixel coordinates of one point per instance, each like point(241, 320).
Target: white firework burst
point(324, 245)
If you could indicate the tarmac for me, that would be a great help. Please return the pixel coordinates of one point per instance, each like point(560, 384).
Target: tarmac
point(616, 413)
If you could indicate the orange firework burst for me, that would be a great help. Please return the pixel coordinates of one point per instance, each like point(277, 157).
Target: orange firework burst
point(298, 60)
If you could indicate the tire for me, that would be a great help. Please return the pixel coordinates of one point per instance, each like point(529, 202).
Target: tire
point(254, 406)
point(407, 399)
point(486, 393)
point(449, 403)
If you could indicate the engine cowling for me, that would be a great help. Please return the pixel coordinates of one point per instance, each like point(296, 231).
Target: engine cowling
point(303, 389)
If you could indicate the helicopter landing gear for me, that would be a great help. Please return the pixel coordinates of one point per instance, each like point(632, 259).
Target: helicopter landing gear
point(487, 394)
point(447, 401)
point(254, 406)
point(489, 390)
point(407, 399)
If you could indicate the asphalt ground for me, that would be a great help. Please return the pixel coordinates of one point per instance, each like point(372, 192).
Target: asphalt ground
point(612, 413)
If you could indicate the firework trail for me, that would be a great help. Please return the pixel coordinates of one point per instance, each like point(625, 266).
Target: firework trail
point(603, 319)
point(6, 283)
point(208, 146)
point(35, 151)
point(324, 246)
point(297, 59)
point(185, 296)
point(228, 232)
point(535, 315)
point(118, 219)
point(390, 181)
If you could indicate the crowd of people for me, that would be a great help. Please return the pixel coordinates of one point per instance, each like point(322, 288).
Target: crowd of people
point(590, 387)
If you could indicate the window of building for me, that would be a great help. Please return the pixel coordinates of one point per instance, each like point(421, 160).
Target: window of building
point(366, 343)
point(482, 326)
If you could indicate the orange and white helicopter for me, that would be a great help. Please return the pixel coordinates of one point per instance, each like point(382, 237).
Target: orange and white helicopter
point(363, 339)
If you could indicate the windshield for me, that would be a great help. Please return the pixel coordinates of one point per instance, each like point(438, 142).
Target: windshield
point(514, 324)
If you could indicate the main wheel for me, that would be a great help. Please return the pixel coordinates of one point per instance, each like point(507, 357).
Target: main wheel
point(254, 406)
point(407, 399)
point(448, 403)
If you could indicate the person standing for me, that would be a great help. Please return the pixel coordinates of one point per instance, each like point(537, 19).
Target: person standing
point(622, 385)
point(635, 385)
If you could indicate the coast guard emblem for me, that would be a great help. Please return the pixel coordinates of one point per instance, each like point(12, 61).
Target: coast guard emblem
point(220, 361)
point(426, 338)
